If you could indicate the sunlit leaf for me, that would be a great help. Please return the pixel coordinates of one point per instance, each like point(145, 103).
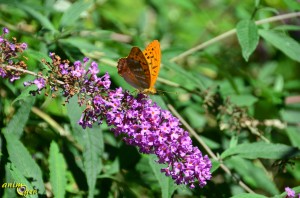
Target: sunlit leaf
point(282, 42)
point(57, 167)
point(262, 150)
point(248, 37)
point(167, 184)
point(73, 13)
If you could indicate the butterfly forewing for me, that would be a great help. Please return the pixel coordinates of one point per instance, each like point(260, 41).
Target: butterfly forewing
point(153, 56)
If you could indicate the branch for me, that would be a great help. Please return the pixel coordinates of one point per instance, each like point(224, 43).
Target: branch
point(230, 33)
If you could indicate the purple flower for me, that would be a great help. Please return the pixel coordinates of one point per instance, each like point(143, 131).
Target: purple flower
point(2, 73)
point(23, 46)
point(5, 30)
point(13, 78)
point(40, 83)
point(27, 84)
point(144, 124)
point(51, 54)
point(85, 59)
point(12, 47)
point(64, 68)
point(78, 72)
point(1, 39)
point(77, 63)
point(106, 81)
point(94, 68)
point(290, 192)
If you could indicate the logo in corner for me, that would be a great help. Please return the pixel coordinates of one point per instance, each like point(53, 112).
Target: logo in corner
point(21, 189)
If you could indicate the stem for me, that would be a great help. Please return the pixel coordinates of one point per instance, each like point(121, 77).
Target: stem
point(208, 150)
point(232, 32)
point(23, 71)
point(29, 72)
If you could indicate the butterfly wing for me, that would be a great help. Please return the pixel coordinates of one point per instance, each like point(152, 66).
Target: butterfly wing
point(135, 70)
point(153, 56)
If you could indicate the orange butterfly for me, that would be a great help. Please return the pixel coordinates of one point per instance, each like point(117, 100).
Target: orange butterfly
point(140, 69)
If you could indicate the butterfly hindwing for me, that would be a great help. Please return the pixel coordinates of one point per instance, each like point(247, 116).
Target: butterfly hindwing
point(138, 65)
point(126, 73)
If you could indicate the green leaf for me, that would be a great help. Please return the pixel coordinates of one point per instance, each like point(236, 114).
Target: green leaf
point(252, 174)
point(213, 144)
point(290, 115)
point(248, 195)
point(23, 161)
point(186, 79)
point(262, 150)
point(288, 27)
point(93, 150)
point(166, 183)
point(294, 5)
point(293, 134)
point(158, 99)
point(215, 165)
point(19, 178)
point(42, 19)
point(194, 116)
point(25, 95)
point(19, 120)
point(73, 13)
point(248, 37)
point(37, 55)
point(93, 143)
point(57, 168)
point(74, 112)
point(243, 100)
point(282, 42)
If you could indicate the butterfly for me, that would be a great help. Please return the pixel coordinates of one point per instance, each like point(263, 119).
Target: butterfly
point(140, 69)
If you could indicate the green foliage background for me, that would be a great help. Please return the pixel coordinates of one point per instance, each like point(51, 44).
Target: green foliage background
point(235, 93)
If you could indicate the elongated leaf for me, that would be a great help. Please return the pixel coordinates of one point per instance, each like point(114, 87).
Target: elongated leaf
point(93, 150)
point(248, 195)
point(73, 13)
point(283, 42)
point(37, 55)
point(252, 174)
point(45, 22)
point(92, 141)
point(293, 134)
point(248, 37)
point(215, 165)
point(159, 101)
point(25, 95)
point(166, 183)
point(290, 115)
point(19, 120)
point(262, 150)
point(288, 27)
point(21, 180)
point(57, 167)
point(243, 100)
point(23, 161)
